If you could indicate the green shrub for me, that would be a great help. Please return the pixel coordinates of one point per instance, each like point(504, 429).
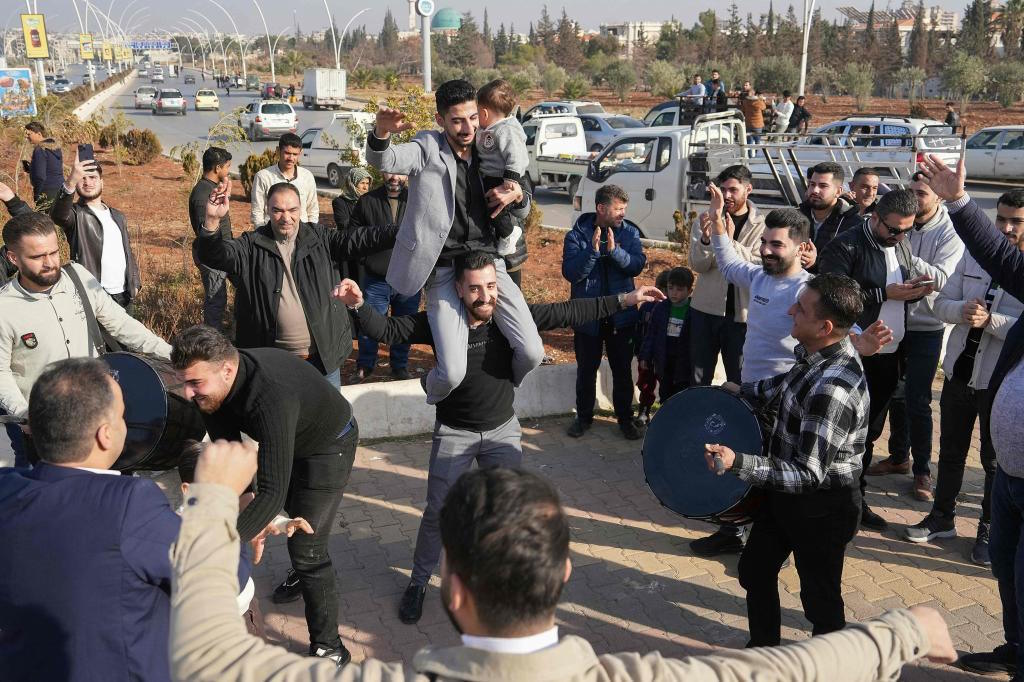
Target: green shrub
point(141, 146)
point(253, 165)
point(576, 87)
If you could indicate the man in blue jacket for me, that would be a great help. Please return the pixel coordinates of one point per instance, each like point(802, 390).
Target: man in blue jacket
point(85, 574)
point(601, 255)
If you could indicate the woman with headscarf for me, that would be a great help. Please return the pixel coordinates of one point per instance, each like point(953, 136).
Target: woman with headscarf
point(357, 183)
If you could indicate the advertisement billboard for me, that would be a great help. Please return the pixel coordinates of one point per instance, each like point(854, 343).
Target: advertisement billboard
point(108, 52)
point(85, 46)
point(17, 96)
point(34, 27)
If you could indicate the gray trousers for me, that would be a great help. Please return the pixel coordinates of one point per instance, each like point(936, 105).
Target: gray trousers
point(452, 454)
point(215, 294)
point(450, 329)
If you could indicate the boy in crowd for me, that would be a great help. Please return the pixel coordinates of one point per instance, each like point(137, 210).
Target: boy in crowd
point(501, 148)
point(666, 346)
point(646, 379)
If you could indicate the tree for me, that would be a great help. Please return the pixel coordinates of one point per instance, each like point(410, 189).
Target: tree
point(1008, 82)
point(501, 44)
point(963, 76)
point(576, 88)
point(913, 77)
point(546, 29)
point(664, 79)
point(486, 31)
point(891, 58)
point(919, 40)
point(1011, 24)
point(552, 78)
point(388, 38)
point(769, 29)
point(858, 81)
point(523, 80)
point(670, 41)
point(621, 77)
point(776, 73)
point(870, 36)
point(976, 30)
point(567, 51)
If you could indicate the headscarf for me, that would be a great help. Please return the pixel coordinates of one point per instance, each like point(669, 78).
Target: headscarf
point(355, 175)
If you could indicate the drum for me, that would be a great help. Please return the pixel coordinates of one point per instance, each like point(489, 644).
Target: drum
point(673, 454)
point(159, 417)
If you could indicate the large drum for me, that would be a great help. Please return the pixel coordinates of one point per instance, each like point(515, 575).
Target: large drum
point(159, 417)
point(673, 453)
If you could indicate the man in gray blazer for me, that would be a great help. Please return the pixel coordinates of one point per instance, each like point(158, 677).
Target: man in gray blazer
point(445, 219)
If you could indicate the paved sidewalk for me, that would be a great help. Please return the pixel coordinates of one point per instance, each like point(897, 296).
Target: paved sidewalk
point(635, 584)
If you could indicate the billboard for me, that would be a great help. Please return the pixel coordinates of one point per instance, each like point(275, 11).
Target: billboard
point(17, 96)
point(85, 46)
point(108, 52)
point(34, 27)
point(126, 53)
point(151, 44)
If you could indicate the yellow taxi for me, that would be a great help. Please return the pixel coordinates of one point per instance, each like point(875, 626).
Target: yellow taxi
point(207, 99)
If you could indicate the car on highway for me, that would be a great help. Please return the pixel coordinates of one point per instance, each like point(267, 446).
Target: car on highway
point(268, 118)
point(252, 82)
point(144, 97)
point(996, 153)
point(207, 99)
point(143, 72)
point(169, 101)
point(330, 151)
point(157, 77)
point(87, 78)
point(600, 129)
point(62, 85)
point(49, 78)
point(190, 80)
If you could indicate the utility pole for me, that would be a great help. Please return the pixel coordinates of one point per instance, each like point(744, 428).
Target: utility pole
point(425, 8)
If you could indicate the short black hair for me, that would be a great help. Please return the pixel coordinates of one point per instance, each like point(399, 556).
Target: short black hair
point(786, 93)
point(826, 167)
point(67, 404)
point(661, 281)
point(1014, 199)
point(738, 172)
point(453, 93)
point(681, 277)
point(289, 140)
point(507, 538)
point(36, 127)
point(28, 224)
point(901, 202)
point(800, 98)
point(187, 462)
point(215, 156)
point(474, 260)
point(950, 104)
point(282, 187)
point(864, 170)
point(799, 226)
point(200, 343)
point(606, 193)
point(839, 299)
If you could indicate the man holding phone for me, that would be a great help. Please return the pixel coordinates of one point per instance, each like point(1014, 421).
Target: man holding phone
point(97, 233)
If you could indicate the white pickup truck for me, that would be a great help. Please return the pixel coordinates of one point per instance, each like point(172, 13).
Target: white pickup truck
point(557, 147)
point(329, 151)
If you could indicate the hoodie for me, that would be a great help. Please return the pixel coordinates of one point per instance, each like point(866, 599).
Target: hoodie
point(935, 242)
point(46, 171)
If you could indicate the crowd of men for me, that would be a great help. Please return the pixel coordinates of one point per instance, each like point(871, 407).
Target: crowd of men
point(819, 313)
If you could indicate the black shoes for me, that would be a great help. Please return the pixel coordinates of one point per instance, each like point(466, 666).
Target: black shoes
point(577, 428)
point(1001, 660)
point(339, 654)
point(629, 430)
point(979, 554)
point(288, 591)
point(719, 542)
point(411, 608)
point(400, 374)
point(871, 520)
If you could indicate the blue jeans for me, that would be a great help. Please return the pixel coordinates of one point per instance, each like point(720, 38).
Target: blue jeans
point(17, 437)
point(1005, 548)
point(334, 378)
point(378, 294)
point(921, 357)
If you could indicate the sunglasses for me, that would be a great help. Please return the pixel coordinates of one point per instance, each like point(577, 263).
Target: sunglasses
point(894, 231)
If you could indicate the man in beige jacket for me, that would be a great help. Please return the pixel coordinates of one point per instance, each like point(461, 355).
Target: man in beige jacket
point(502, 575)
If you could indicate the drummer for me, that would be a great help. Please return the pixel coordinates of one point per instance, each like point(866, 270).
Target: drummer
point(43, 319)
point(812, 466)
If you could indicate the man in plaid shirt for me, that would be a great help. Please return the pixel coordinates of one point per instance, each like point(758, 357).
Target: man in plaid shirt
point(812, 467)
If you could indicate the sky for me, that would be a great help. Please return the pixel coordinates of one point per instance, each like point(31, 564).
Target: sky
point(312, 16)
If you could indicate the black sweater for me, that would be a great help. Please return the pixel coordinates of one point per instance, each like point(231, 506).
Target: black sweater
point(284, 404)
point(483, 401)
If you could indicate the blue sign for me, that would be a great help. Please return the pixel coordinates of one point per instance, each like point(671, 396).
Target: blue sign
point(151, 45)
point(17, 96)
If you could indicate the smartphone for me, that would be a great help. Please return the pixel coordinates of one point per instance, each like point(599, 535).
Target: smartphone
point(923, 283)
point(26, 166)
point(85, 152)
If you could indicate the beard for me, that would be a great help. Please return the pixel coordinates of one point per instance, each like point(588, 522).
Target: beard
point(43, 279)
point(208, 404)
point(87, 196)
point(818, 203)
point(476, 310)
point(774, 265)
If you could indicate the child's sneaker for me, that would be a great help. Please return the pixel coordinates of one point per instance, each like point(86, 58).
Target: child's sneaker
point(507, 245)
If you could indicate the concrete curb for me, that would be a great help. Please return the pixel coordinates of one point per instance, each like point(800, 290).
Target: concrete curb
point(87, 108)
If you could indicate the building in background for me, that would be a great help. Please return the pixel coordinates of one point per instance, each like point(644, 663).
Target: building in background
point(630, 33)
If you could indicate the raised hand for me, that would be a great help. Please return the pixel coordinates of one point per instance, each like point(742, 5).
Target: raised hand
point(871, 340)
point(218, 205)
point(808, 255)
point(6, 193)
point(80, 169)
point(348, 292)
point(717, 201)
point(390, 121)
point(644, 294)
point(705, 228)
point(611, 239)
point(944, 181)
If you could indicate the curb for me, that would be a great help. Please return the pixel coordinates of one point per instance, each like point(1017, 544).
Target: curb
point(87, 108)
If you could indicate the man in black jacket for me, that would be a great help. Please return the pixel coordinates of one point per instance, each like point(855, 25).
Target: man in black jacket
point(216, 167)
point(383, 206)
point(828, 212)
point(476, 421)
point(46, 170)
point(877, 258)
point(307, 439)
point(283, 274)
point(90, 223)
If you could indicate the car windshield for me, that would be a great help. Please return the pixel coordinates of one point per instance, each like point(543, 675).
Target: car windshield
point(206, 93)
point(624, 122)
point(589, 109)
point(62, 81)
point(276, 109)
point(146, 91)
point(169, 94)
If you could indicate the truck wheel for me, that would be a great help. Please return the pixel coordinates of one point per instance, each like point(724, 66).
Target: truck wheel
point(574, 184)
point(334, 175)
point(305, 103)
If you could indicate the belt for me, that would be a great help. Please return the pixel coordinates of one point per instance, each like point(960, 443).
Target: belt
point(445, 263)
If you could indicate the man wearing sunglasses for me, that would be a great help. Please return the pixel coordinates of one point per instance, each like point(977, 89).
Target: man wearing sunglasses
point(877, 257)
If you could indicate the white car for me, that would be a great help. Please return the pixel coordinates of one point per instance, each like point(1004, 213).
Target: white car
point(327, 152)
point(867, 139)
point(62, 85)
point(996, 153)
point(207, 99)
point(268, 118)
point(169, 101)
point(570, 107)
point(144, 97)
point(157, 77)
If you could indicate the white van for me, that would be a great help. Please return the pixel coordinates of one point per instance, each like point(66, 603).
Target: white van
point(327, 152)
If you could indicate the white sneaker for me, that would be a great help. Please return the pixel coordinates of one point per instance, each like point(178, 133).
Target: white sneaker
point(507, 245)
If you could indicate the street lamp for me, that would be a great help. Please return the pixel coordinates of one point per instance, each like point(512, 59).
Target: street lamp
point(808, 16)
point(238, 36)
point(270, 48)
point(216, 34)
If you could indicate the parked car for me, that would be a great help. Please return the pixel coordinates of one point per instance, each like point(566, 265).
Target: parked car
point(144, 97)
point(268, 118)
point(865, 137)
point(664, 114)
point(49, 79)
point(570, 107)
point(207, 99)
point(169, 101)
point(190, 80)
point(61, 85)
point(328, 151)
point(996, 153)
point(600, 129)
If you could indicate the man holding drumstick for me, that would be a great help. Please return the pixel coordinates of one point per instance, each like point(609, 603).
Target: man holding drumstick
point(812, 466)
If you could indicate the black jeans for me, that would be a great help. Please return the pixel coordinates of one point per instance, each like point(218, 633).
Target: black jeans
point(709, 336)
point(882, 372)
point(618, 345)
point(815, 527)
point(959, 407)
point(314, 493)
point(920, 351)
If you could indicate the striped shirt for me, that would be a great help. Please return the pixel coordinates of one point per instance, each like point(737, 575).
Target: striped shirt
point(822, 423)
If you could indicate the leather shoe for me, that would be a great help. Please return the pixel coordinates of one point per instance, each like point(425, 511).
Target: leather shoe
point(870, 519)
point(363, 373)
point(888, 466)
point(400, 374)
point(629, 430)
point(717, 543)
point(577, 428)
point(411, 607)
point(923, 488)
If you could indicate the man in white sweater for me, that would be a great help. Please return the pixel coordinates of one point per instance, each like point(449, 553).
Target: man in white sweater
point(287, 169)
point(43, 318)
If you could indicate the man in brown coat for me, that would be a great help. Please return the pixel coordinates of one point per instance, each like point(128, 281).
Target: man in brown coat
point(752, 105)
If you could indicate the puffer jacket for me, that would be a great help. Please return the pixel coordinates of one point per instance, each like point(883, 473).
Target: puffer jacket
point(843, 216)
point(46, 171)
point(592, 274)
